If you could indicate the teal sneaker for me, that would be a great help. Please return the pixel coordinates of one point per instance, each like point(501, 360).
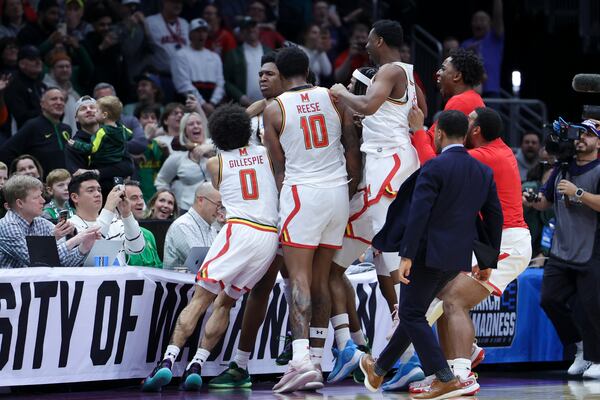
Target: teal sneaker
point(160, 376)
point(191, 380)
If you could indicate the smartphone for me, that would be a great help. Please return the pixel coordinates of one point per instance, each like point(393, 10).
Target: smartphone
point(62, 28)
point(63, 215)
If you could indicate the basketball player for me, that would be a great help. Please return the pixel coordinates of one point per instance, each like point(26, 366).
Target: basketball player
point(314, 149)
point(241, 253)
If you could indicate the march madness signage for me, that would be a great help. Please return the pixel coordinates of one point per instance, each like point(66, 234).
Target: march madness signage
point(83, 324)
point(495, 318)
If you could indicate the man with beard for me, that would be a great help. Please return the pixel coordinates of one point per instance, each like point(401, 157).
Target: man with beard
point(528, 154)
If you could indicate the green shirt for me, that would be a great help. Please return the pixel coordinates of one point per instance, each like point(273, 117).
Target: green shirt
point(148, 169)
point(148, 257)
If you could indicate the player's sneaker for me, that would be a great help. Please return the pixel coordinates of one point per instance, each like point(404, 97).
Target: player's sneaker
point(357, 374)
point(372, 380)
point(477, 355)
point(579, 365)
point(232, 377)
point(395, 322)
point(191, 379)
point(316, 384)
point(287, 353)
point(405, 375)
point(593, 372)
point(160, 376)
point(346, 361)
point(419, 386)
point(298, 374)
point(445, 390)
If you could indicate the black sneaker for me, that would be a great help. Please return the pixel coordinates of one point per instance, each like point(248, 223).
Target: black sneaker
point(287, 353)
point(191, 379)
point(232, 377)
point(160, 376)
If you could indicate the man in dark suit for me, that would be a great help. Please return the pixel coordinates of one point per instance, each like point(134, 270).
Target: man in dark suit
point(440, 230)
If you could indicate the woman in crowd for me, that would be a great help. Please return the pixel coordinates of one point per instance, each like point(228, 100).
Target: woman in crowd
point(169, 123)
point(183, 171)
point(26, 165)
point(162, 205)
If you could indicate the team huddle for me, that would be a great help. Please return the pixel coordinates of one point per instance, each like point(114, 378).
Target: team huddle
point(307, 178)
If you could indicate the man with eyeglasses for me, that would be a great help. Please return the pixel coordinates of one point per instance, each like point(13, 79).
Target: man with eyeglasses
point(194, 228)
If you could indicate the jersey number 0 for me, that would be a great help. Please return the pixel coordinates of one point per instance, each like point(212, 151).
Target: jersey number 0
point(249, 184)
point(315, 131)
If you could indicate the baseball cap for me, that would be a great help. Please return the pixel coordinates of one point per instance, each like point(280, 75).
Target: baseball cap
point(247, 22)
point(30, 52)
point(147, 76)
point(198, 23)
point(79, 2)
point(84, 100)
point(592, 126)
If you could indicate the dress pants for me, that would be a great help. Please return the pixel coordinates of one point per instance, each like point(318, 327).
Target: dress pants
point(415, 298)
point(571, 299)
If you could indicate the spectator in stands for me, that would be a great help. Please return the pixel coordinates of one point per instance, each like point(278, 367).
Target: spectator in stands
point(488, 42)
point(59, 75)
point(193, 229)
point(233, 11)
point(150, 162)
point(528, 153)
point(170, 122)
point(26, 87)
point(162, 205)
point(78, 163)
point(104, 48)
point(3, 175)
point(25, 201)
point(318, 61)
point(183, 171)
point(148, 92)
point(108, 144)
point(9, 55)
point(116, 220)
point(149, 257)
point(44, 136)
point(138, 143)
point(167, 34)
point(199, 71)
point(219, 40)
point(241, 66)
point(5, 121)
point(57, 188)
point(327, 18)
point(28, 165)
point(13, 19)
point(76, 25)
point(448, 44)
point(355, 56)
point(269, 37)
point(44, 33)
point(134, 41)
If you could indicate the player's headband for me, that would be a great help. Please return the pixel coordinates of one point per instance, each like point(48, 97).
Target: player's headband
point(359, 76)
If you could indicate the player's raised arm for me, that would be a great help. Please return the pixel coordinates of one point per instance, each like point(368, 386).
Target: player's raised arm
point(273, 121)
point(386, 79)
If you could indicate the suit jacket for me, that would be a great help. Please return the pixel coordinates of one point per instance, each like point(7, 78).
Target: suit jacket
point(234, 71)
point(436, 226)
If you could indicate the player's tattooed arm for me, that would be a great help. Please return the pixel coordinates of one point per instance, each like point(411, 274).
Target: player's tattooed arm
point(351, 144)
point(273, 121)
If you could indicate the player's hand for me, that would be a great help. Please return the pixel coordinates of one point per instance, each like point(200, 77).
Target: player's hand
point(404, 270)
point(416, 119)
point(4, 81)
point(337, 90)
point(566, 187)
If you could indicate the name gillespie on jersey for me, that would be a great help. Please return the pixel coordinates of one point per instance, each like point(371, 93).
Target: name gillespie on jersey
point(246, 162)
point(308, 108)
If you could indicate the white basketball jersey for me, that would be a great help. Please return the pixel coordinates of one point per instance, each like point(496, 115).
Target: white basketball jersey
point(311, 139)
point(247, 185)
point(387, 129)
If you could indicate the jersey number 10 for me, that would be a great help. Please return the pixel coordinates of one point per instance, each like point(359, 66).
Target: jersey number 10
point(315, 131)
point(249, 184)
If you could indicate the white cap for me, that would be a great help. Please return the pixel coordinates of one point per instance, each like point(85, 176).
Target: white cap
point(198, 23)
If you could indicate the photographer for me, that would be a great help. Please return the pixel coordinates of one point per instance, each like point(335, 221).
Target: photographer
point(571, 275)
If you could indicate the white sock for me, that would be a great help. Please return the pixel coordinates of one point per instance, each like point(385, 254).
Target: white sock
point(171, 353)
point(200, 357)
point(300, 349)
point(287, 292)
point(461, 367)
point(407, 355)
point(241, 358)
point(342, 335)
point(316, 356)
point(358, 338)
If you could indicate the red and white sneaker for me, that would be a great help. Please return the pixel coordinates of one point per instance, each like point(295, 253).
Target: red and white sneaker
point(422, 385)
point(470, 386)
point(298, 374)
point(477, 355)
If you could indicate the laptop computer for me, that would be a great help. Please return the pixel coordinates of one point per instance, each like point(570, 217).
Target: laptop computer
point(42, 251)
point(106, 253)
point(194, 260)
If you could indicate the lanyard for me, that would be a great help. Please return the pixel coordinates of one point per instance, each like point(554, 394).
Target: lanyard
point(176, 36)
